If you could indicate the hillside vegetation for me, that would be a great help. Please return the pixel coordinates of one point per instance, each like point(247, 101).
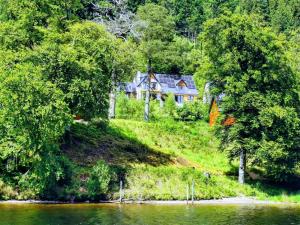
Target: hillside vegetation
point(63, 60)
point(158, 160)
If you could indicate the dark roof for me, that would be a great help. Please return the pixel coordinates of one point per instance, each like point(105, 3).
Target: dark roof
point(171, 80)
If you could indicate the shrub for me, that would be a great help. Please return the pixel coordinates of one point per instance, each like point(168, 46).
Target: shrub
point(170, 105)
point(99, 180)
point(129, 108)
point(191, 111)
point(6, 191)
point(47, 179)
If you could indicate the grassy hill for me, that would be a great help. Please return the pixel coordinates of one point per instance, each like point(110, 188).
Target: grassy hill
point(160, 160)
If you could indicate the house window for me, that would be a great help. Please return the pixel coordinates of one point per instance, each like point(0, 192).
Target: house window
point(179, 99)
point(190, 97)
point(153, 85)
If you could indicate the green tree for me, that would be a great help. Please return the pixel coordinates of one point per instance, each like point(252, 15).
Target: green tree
point(247, 63)
point(127, 59)
point(33, 116)
point(188, 15)
point(22, 22)
point(215, 8)
point(282, 15)
point(157, 33)
point(293, 54)
point(170, 105)
point(175, 58)
point(80, 63)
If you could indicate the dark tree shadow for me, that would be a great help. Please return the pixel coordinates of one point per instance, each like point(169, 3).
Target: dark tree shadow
point(86, 144)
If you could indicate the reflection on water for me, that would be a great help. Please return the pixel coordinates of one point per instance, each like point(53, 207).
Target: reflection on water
point(93, 214)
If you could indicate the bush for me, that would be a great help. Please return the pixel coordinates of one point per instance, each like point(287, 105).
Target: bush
point(48, 178)
point(98, 182)
point(192, 111)
point(170, 105)
point(6, 191)
point(129, 108)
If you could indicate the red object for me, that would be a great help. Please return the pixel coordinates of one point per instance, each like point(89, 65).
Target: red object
point(77, 117)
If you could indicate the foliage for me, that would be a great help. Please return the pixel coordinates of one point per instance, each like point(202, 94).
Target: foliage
point(247, 62)
point(79, 62)
point(192, 111)
point(6, 191)
point(169, 105)
point(55, 64)
point(127, 59)
point(48, 177)
point(160, 25)
point(160, 167)
point(129, 107)
point(157, 32)
point(175, 57)
point(22, 22)
point(188, 15)
point(293, 53)
point(33, 116)
point(99, 179)
point(282, 15)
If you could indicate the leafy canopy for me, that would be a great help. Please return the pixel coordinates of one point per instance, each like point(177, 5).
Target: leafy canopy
point(247, 62)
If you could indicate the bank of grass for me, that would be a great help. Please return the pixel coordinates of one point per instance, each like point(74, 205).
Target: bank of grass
point(161, 160)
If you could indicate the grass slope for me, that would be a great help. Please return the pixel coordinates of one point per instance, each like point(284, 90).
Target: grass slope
point(160, 160)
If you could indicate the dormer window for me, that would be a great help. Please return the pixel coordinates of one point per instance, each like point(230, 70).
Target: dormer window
point(181, 85)
point(153, 85)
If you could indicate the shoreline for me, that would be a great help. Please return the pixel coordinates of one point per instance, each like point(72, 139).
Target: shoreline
point(223, 201)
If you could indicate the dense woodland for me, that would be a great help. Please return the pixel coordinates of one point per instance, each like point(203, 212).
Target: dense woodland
point(62, 59)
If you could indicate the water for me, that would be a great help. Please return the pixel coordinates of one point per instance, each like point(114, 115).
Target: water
point(93, 214)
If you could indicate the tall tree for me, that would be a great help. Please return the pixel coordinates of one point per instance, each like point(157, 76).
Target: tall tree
point(122, 23)
point(79, 62)
point(126, 61)
point(157, 34)
point(188, 15)
point(247, 62)
point(33, 116)
point(282, 15)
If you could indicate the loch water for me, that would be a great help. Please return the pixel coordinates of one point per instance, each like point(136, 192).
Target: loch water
point(96, 214)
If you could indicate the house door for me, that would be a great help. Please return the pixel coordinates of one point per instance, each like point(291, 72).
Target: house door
point(179, 99)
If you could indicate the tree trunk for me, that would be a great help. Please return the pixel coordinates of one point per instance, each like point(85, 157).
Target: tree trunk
point(112, 98)
point(112, 104)
point(242, 167)
point(147, 99)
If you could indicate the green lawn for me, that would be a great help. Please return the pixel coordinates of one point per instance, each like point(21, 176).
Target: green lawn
point(160, 160)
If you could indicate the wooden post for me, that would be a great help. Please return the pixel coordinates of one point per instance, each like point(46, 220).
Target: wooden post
point(187, 194)
point(121, 190)
point(193, 183)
